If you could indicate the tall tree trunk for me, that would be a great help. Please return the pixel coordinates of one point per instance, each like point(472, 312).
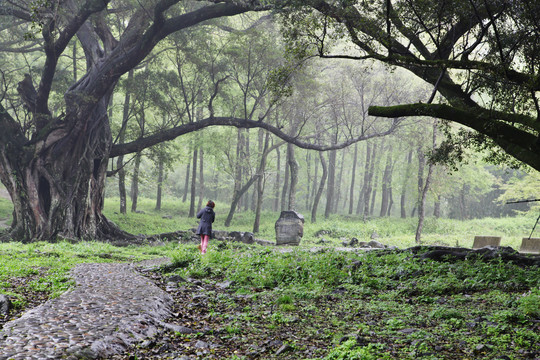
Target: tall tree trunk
point(159, 182)
point(353, 178)
point(360, 207)
point(425, 189)
point(331, 183)
point(186, 183)
point(403, 198)
point(386, 184)
point(245, 170)
point(285, 190)
point(259, 173)
point(260, 184)
point(193, 191)
point(293, 165)
point(339, 180)
point(320, 190)
point(201, 178)
point(374, 193)
point(314, 186)
point(420, 177)
point(238, 171)
point(308, 177)
point(278, 181)
point(135, 182)
point(369, 180)
point(437, 207)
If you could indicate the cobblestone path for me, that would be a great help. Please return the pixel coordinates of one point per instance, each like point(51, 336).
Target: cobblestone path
point(110, 308)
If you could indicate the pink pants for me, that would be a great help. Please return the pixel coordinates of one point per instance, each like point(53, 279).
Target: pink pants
point(204, 243)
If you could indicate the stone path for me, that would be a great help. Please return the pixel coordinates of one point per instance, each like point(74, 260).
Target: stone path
point(110, 308)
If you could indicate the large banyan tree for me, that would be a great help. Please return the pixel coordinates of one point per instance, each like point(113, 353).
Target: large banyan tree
point(481, 56)
point(53, 159)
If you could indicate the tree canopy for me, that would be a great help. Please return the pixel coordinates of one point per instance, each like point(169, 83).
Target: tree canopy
point(481, 56)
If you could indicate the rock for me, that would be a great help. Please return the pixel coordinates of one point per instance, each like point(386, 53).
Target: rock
point(201, 345)
point(166, 217)
point(220, 234)
point(363, 244)
point(178, 328)
point(5, 305)
point(354, 242)
point(289, 228)
point(176, 279)
point(264, 242)
point(284, 348)
point(323, 241)
point(374, 235)
point(375, 244)
point(225, 284)
point(248, 238)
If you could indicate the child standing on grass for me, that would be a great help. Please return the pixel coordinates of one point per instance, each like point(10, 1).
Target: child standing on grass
point(207, 217)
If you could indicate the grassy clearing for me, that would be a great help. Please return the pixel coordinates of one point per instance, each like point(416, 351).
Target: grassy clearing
point(337, 305)
point(391, 231)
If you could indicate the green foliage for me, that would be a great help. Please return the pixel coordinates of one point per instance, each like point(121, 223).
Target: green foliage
point(349, 350)
point(529, 303)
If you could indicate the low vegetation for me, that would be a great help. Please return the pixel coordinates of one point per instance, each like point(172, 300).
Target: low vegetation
point(313, 302)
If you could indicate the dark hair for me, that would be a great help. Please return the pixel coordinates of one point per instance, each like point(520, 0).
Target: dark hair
point(210, 203)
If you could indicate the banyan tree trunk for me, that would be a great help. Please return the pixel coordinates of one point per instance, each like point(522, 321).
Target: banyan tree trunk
point(57, 181)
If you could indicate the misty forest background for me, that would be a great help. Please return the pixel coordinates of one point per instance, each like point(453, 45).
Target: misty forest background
point(252, 174)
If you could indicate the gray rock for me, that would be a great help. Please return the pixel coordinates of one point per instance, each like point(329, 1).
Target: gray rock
point(178, 328)
point(225, 284)
point(166, 217)
point(375, 244)
point(201, 345)
point(5, 305)
point(284, 348)
point(248, 238)
point(176, 279)
point(289, 228)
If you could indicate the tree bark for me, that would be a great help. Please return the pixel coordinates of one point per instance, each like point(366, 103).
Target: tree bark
point(425, 189)
point(135, 182)
point(293, 165)
point(339, 180)
point(159, 182)
point(193, 192)
point(369, 180)
point(353, 178)
point(260, 185)
point(403, 198)
point(201, 178)
point(186, 183)
point(321, 188)
point(285, 190)
point(314, 186)
point(331, 183)
point(278, 181)
point(386, 184)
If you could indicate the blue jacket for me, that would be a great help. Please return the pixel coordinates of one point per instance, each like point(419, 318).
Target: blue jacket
point(207, 217)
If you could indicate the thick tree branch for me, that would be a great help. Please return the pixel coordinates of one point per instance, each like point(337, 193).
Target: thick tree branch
point(518, 143)
point(141, 144)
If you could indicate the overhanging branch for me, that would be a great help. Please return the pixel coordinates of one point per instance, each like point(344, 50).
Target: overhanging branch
point(173, 133)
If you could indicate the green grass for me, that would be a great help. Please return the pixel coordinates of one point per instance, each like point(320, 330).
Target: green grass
point(391, 231)
point(463, 309)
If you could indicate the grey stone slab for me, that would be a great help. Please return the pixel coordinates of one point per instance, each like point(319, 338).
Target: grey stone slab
point(483, 241)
